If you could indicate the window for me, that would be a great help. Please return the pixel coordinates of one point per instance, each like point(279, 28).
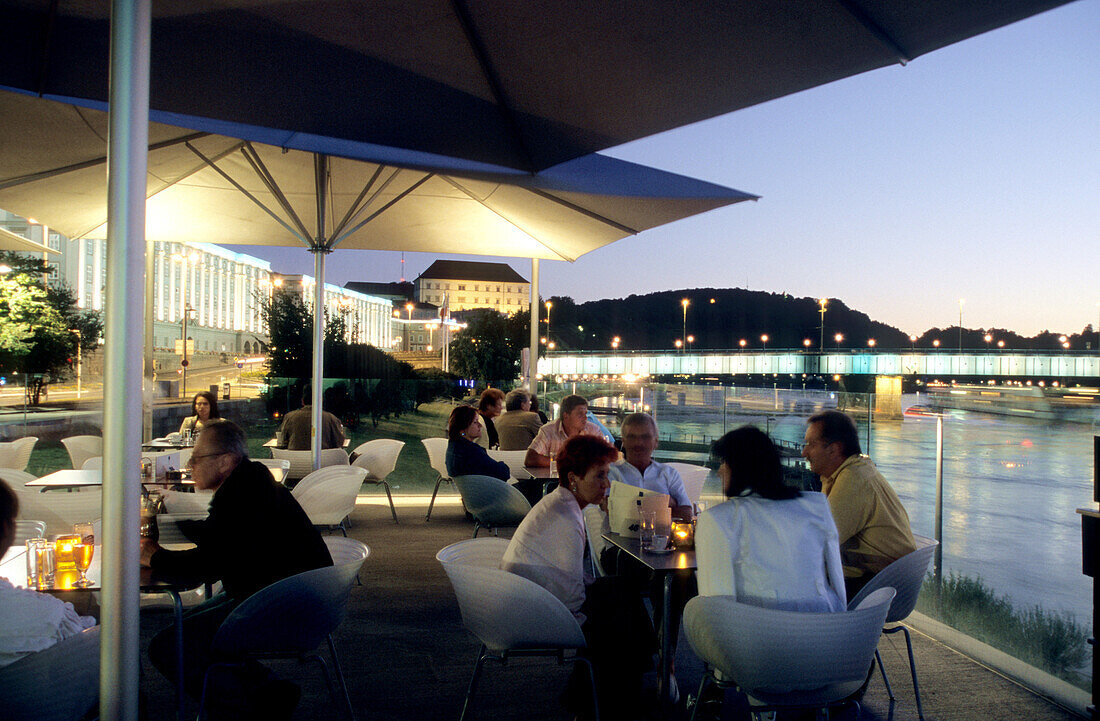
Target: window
point(462, 287)
point(475, 287)
point(461, 299)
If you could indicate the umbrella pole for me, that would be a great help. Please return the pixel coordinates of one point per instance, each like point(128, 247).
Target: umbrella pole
point(122, 418)
point(533, 357)
point(318, 350)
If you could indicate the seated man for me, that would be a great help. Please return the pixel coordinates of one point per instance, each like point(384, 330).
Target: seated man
point(637, 468)
point(872, 524)
point(294, 433)
point(573, 421)
point(518, 425)
point(256, 534)
point(29, 621)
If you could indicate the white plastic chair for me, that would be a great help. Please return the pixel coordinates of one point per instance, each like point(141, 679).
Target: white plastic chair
point(290, 619)
point(81, 448)
point(694, 477)
point(60, 683)
point(492, 502)
point(785, 659)
point(331, 501)
point(514, 459)
point(379, 457)
point(277, 464)
point(187, 502)
point(17, 479)
point(317, 477)
point(437, 459)
point(906, 576)
point(346, 550)
point(60, 509)
point(25, 529)
point(95, 463)
point(301, 462)
point(508, 613)
point(17, 454)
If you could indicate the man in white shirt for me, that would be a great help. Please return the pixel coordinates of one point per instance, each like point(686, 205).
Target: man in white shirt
point(637, 468)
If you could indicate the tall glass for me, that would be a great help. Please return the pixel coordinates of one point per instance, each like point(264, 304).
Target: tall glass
point(83, 550)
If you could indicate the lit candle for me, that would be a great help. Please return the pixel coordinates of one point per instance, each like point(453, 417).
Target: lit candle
point(63, 552)
point(684, 535)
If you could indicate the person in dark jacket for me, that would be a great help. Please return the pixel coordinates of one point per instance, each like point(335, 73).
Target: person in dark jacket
point(464, 456)
point(255, 534)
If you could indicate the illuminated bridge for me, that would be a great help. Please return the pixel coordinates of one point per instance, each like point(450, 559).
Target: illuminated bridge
point(1002, 365)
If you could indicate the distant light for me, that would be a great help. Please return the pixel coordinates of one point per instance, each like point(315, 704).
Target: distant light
point(936, 342)
point(871, 342)
point(742, 342)
point(806, 342)
point(712, 301)
point(764, 338)
point(1000, 344)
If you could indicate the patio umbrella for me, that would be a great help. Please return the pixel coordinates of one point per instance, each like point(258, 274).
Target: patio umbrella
point(526, 85)
point(14, 241)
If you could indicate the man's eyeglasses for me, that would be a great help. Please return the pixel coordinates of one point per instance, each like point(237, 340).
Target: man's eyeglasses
point(198, 456)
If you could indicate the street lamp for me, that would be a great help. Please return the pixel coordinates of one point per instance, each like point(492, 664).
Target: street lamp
point(913, 342)
point(838, 337)
point(742, 343)
point(822, 302)
point(764, 340)
point(549, 305)
point(678, 343)
point(871, 342)
point(1000, 344)
point(936, 343)
point(409, 310)
point(685, 302)
point(615, 342)
point(806, 343)
point(690, 340)
point(189, 259)
point(961, 301)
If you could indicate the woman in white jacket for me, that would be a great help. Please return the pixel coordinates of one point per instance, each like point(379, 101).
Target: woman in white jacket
point(769, 544)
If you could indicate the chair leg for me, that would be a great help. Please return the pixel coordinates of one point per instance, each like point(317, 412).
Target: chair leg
point(477, 527)
point(393, 510)
point(591, 680)
point(885, 679)
point(699, 695)
point(432, 503)
point(473, 683)
point(340, 677)
point(913, 671)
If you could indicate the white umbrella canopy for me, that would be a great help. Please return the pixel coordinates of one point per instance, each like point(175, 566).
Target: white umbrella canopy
point(224, 190)
point(14, 241)
point(526, 85)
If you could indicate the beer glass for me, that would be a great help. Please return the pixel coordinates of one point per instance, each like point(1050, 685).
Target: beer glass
point(83, 550)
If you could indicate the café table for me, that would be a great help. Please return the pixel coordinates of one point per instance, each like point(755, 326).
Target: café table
point(65, 479)
point(163, 444)
point(664, 565)
point(13, 567)
point(274, 443)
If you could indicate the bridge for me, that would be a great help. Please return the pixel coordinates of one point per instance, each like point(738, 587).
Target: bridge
point(999, 365)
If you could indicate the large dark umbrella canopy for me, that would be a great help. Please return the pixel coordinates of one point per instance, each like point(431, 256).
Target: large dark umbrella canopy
point(524, 85)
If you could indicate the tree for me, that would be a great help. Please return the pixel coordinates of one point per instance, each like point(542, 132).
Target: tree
point(290, 326)
point(37, 324)
point(488, 349)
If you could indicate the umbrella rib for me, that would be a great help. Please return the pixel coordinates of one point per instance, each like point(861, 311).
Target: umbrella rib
point(247, 194)
point(46, 174)
point(197, 168)
point(353, 209)
point(384, 208)
point(584, 211)
point(492, 79)
point(268, 179)
point(876, 30)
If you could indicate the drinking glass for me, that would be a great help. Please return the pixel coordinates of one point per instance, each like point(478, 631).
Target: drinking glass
point(648, 524)
point(662, 532)
point(83, 551)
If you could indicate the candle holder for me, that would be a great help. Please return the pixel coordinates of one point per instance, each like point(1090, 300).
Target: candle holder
point(63, 551)
point(683, 535)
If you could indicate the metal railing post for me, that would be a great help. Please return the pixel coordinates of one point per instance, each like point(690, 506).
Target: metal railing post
point(937, 559)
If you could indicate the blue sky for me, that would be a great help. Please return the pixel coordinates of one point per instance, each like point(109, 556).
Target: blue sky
point(973, 172)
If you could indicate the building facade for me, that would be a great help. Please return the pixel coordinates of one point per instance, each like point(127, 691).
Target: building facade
point(464, 285)
point(368, 317)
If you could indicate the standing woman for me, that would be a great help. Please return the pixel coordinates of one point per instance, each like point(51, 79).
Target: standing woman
point(204, 408)
point(769, 544)
point(464, 456)
point(550, 547)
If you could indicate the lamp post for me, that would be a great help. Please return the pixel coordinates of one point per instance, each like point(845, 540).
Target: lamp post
point(678, 343)
point(409, 310)
point(549, 305)
point(806, 343)
point(685, 303)
point(961, 301)
point(187, 309)
point(912, 342)
point(822, 302)
point(764, 340)
point(838, 337)
point(615, 342)
point(742, 343)
point(690, 340)
point(870, 342)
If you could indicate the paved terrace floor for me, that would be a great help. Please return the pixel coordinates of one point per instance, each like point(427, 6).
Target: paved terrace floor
point(406, 655)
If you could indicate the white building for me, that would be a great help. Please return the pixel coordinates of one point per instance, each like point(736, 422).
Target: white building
point(368, 316)
point(463, 285)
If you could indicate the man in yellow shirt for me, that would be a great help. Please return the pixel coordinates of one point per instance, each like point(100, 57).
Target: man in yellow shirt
point(872, 524)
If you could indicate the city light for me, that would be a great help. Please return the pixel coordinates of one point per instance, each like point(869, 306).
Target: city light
point(822, 302)
point(936, 343)
point(806, 342)
point(838, 338)
point(678, 343)
point(742, 343)
point(685, 303)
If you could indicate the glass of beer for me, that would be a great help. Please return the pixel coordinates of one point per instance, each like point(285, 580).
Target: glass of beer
point(83, 550)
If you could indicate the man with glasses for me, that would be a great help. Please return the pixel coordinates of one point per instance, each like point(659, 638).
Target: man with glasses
point(255, 534)
point(872, 524)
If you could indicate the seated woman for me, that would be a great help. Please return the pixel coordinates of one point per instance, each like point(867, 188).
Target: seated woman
point(464, 456)
point(769, 544)
point(204, 407)
point(550, 547)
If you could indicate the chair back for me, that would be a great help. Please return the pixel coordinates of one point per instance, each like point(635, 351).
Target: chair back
point(379, 456)
point(321, 475)
point(95, 463)
point(330, 501)
point(81, 448)
point(301, 462)
point(694, 477)
point(816, 657)
point(18, 479)
point(292, 616)
point(17, 454)
point(905, 576)
point(187, 502)
point(60, 683)
point(493, 502)
point(503, 610)
point(437, 454)
point(169, 530)
point(25, 529)
point(280, 464)
point(59, 509)
point(346, 550)
point(514, 459)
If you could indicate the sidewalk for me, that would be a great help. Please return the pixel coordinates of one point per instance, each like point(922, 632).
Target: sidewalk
point(406, 656)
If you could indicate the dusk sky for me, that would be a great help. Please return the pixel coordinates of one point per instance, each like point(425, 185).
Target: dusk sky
point(973, 172)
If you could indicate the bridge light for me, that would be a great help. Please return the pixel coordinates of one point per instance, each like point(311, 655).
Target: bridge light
point(871, 342)
point(936, 343)
point(806, 342)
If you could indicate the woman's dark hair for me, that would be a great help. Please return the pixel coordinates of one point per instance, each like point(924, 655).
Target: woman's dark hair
point(460, 420)
point(580, 453)
point(211, 399)
point(754, 464)
point(9, 509)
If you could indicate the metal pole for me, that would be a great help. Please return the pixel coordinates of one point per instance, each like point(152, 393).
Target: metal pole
point(533, 360)
point(183, 332)
point(147, 395)
point(320, 250)
point(127, 140)
point(937, 560)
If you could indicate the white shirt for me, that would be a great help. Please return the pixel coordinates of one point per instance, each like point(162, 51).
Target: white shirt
point(32, 622)
point(551, 437)
point(548, 548)
point(656, 477)
point(778, 554)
